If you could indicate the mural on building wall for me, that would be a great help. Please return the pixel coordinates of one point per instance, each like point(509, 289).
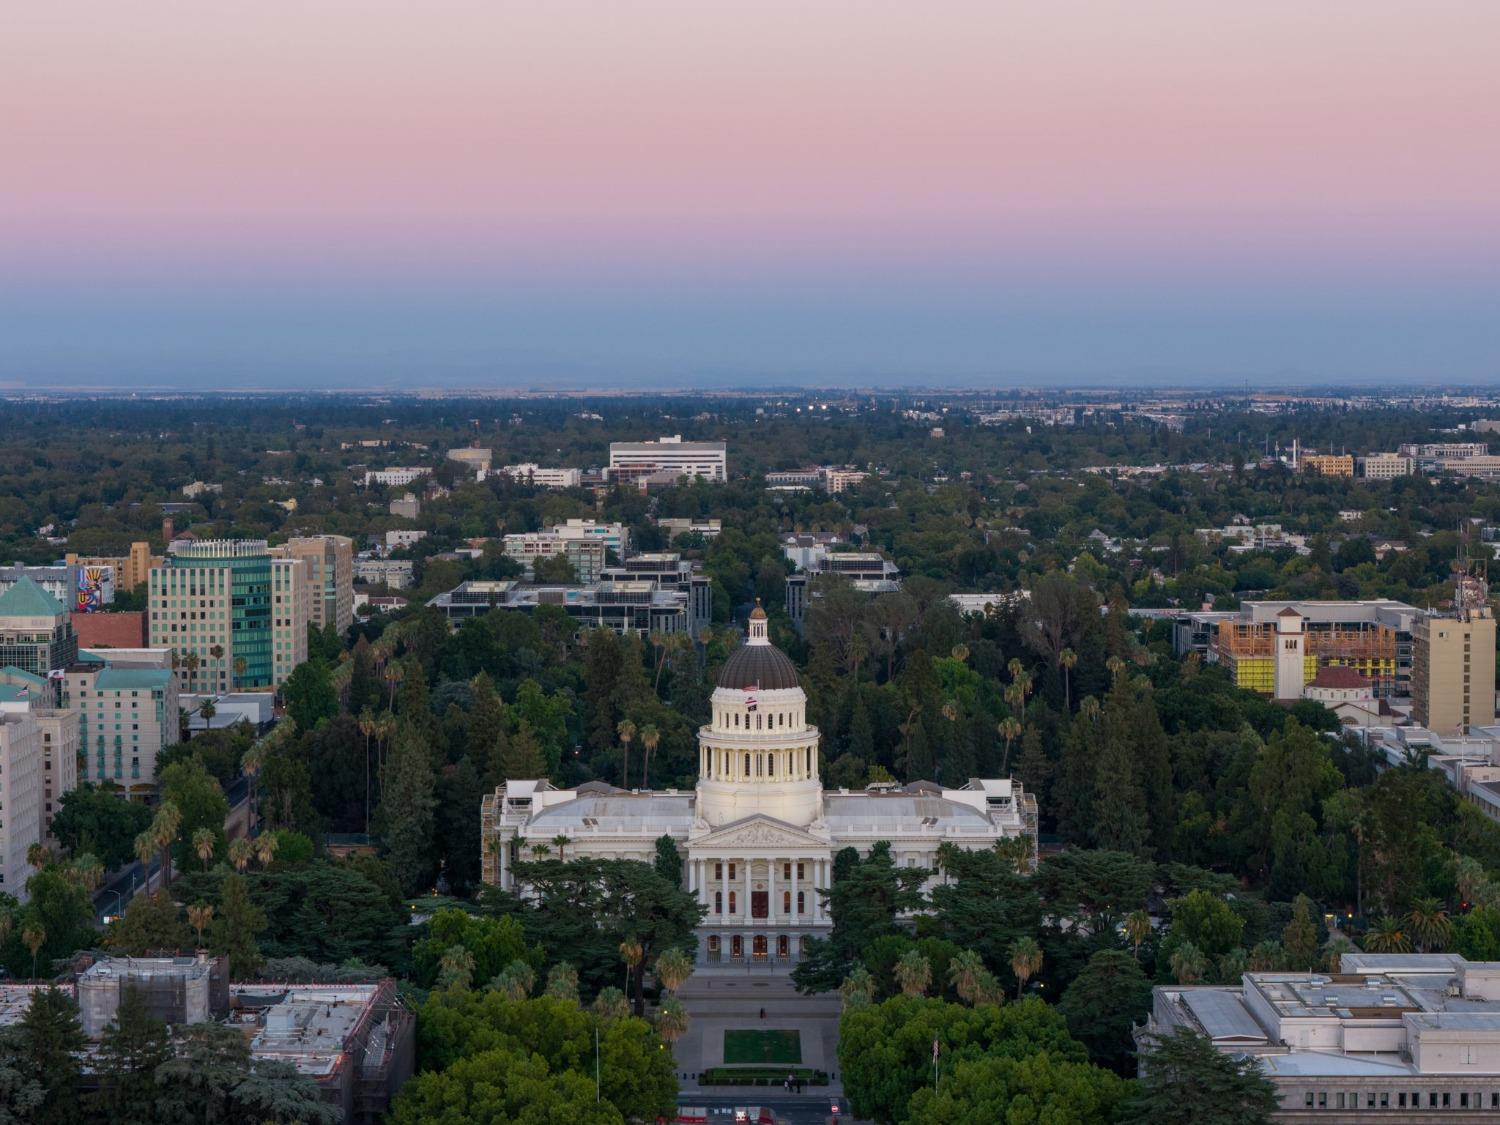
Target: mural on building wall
point(96, 588)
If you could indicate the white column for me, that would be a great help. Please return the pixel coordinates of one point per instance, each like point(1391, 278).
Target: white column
point(771, 892)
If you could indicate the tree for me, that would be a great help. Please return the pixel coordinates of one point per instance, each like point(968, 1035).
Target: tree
point(1103, 1003)
point(626, 731)
point(1189, 963)
point(51, 1041)
point(232, 934)
point(1299, 939)
point(673, 968)
point(21, 1090)
point(133, 1046)
point(1038, 1087)
point(913, 973)
point(1206, 921)
point(200, 803)
point(1226, 1089)
point(100, 820)
point(199, 916)
point(149, 927)
point(204, 843)
point(1137, 929)
point(1429, 924)
point(501, 1086)
point(516, 980)
point(668, 860)
point(309, 694)
point(405, 820)
point(493, 942)
point(1094, 888)
point(1387, 935)
point(1025, 961)
point(562, 982)
point(671, 1020)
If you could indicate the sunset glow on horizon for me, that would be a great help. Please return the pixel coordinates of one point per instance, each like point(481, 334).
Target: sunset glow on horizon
point(1077, 155)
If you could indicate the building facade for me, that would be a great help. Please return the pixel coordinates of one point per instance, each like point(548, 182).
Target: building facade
point(1328, 464)
point(131, 570)
point(292, 600)
point(1386, 466)
point(631, 460)
point(20, 797)
point(330, 561)
point(36, 632)
point(126, 718)
point(1453, 670)
point(758, 832)
point(399, 475)
point(1390, 1037)
point(625, 607)
point(541, 477)
point(211, 605)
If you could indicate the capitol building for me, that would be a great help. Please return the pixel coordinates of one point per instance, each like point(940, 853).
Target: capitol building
point(758, 831)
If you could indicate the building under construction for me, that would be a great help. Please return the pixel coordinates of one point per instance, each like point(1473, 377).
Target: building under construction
point(1372, 637)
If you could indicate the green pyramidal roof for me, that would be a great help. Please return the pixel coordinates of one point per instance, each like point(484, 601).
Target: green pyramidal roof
point(27, 599)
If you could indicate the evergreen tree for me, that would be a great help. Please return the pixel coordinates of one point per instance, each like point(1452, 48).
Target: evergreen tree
point(668, 860)
point(1299, 940)
point(364, 691)
point(1186, 1080)
point(405, 820)
point(151, 926)
point(132, 1047)
point(51, 1040)
point(236, 925)
point(460, 792)
point(861, 732)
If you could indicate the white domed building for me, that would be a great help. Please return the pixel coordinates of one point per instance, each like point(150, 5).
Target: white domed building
point(758, 831)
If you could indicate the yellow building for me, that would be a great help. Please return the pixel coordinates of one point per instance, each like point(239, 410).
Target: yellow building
point(1453, 671)
point(130, 570)
point(1328, 464)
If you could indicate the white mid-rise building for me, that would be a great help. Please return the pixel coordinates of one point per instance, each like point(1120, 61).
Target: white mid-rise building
point(397, 475)
point(1386, 466)
point(291, 612)
point(631, 460)
point(21, 800)
point(531, 473)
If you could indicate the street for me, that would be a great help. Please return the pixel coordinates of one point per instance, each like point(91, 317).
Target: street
point(804, 1110)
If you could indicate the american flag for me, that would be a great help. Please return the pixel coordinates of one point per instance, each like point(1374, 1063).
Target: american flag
point(24, 692)
point(750, 696)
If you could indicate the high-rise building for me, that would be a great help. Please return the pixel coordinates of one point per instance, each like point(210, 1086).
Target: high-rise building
point(130, 570)
point(36, 631)
point(1453, 663)
point(330, 559)
point(20, 797)
point(126, 718)
point(291, 595)
point(211, 605)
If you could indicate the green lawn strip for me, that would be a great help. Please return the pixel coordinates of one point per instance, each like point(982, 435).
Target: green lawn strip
point(778, 1047)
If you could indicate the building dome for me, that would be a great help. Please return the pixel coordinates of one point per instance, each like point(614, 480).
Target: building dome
point(758, 664)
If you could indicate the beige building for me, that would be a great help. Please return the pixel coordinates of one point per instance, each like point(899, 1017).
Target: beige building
point(60, 749)
point(291, 610)
point(330, 561)
point(130, 570)
point(126, 717)
point(1453, 670)
point(1328, 464)
point(1386, 466)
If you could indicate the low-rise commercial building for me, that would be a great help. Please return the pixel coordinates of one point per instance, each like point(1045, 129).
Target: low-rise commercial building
point(1390, 1037)
point(633, 607)
point(541, 477)
point(473, 457)
point(1327, 464)
point(395, 573)
point(672, 527)
point(632, 460)
point(1386, 466)
point(396, 476)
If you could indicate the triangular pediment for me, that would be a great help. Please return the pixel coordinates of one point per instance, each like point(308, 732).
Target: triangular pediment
point(759, 831)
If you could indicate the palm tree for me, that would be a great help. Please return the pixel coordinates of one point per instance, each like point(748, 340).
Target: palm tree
point(1333, 953)
point(145, 848)
point(1265, 957)
point(199, 916)
point(671, 1020)
point(561, 842)
point(1067, 660)
point(963, 974)
point(88, 870)
point(1232, 965)
point(1025, 961)
point(241, 851)
point(913, 973)
point(455, 968)
point(1016, 850)
point(516, 980)
point(950, 710)
point(673, 968)
point(1429, 924)
point(35, 937)
point(240, 666)
point(960, 652)
point(857, 990)
point(204, 843)
point(650, 740)
point(367, 727)
point(610, 1004)
point(38, 856)
point(265, 848)
point(540, 851)
point(1189, 964)
point(987, 990)
point(1386, 935)
point(632, 954)
point(1116, 667)
point(394, 674)
point(1137, 929)
point(1010, 730)
point(626, 730)
point(163, 830)
point(206, 712)
point(562, 982)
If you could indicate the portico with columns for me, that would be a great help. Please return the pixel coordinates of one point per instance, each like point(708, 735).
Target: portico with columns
point(758, 832)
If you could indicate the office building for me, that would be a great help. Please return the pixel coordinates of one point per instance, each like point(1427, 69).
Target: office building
point(110, 630)
point(540, 477)
point(403, 537)
point(758, 832)
point(633, 607)
point(407, 506)
point(395, 573)
point(130, 570)
point(330, 561)
point(396, 476)
point(1428, 453)
point(1276, 648)
point(1386, 466)
point(355, 1041)
point(126, 718)
point(632, 460)
point(1327, 464)
point(672, 527)
point(1453, 663)
point(36, 632)
point(1481, 466)
point(291, 612)
point(20, 797)
point(1390, 1037)
point(473, 457)
point(211, 605)
point(670, 572)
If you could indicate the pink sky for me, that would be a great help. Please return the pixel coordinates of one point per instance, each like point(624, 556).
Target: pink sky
point(732, 136)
